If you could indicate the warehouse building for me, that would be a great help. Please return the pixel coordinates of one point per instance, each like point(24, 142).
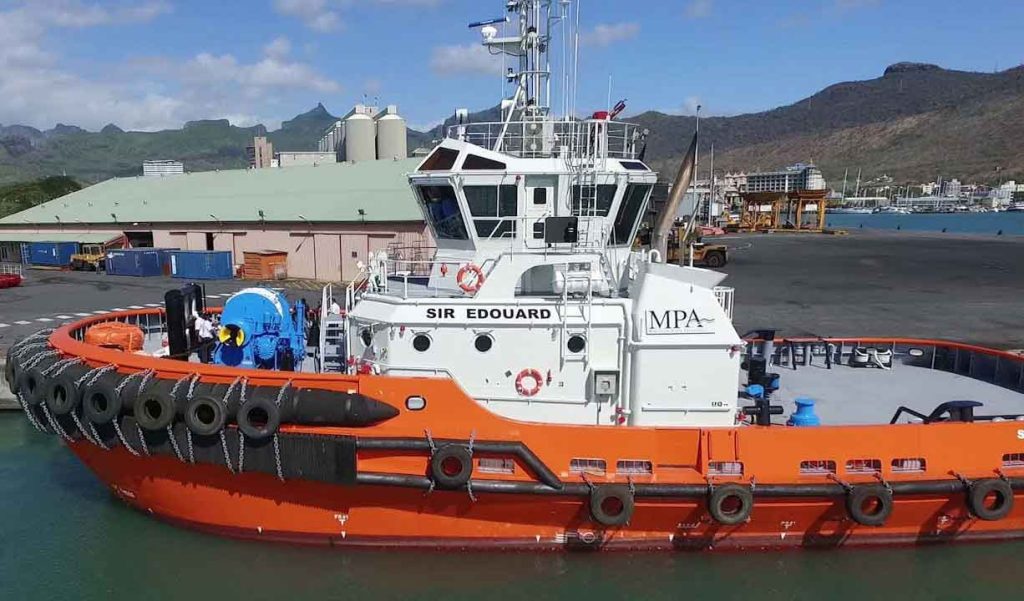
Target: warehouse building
point(326, 217)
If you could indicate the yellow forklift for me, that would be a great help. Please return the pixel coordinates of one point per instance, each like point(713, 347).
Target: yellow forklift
point(712, 256)
point(90, 257)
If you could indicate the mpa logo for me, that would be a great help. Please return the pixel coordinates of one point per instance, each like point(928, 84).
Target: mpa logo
point(677, 321)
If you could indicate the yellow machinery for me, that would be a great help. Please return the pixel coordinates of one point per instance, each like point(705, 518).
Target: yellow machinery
point(89, 258)
point(704, 255)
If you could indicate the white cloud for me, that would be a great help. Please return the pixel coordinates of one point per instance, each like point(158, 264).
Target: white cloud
point(278, 48)
point(471, 59)
point(690, 105)
point(142, 93)
point(608, 34)
point(316, 14)
point(698, 9)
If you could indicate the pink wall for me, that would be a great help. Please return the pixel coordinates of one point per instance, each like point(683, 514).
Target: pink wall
point(334, 244)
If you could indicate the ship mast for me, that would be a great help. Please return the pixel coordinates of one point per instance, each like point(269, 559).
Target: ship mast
point(530, 45)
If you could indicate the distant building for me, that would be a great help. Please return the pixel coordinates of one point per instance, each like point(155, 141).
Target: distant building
point(930, 188)
point(791, 179)
point(951, 188)
point(161, 168)
point(310, 157)
point(260, 154)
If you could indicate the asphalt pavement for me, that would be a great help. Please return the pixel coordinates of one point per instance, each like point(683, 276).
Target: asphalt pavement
point(964, 288)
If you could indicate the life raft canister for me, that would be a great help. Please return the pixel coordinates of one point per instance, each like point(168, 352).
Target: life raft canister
point(534, 375)
point(470, 284)
point(990, 499)
point(115, 334)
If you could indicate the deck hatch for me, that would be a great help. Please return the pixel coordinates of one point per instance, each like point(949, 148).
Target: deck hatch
point(817, 467)
point(863, 466)
point(908, 465)
point(583, 465)
point(634, 467)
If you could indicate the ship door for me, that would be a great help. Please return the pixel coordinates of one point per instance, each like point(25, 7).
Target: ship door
point(540, 203)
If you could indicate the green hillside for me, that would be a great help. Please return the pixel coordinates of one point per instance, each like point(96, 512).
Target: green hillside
point(18, 197)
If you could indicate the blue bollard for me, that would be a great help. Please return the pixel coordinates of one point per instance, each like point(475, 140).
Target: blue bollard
point(804, 414)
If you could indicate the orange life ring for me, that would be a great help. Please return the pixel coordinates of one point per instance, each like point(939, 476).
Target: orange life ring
point(474, 284)
point(529, 373)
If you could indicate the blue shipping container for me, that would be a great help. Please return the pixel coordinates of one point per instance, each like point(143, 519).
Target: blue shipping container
point(54, 254)
point(202, 264)
point(138, 262)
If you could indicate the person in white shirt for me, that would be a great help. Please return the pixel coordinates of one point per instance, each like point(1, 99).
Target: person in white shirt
point(206, 331)
point(335, 308)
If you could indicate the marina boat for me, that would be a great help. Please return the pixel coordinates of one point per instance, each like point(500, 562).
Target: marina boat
point(1017, 207)
point(537, 384)
point(891, 210)
point(850, 211)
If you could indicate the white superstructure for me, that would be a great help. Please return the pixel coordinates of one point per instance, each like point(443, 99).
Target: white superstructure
point(535, 302)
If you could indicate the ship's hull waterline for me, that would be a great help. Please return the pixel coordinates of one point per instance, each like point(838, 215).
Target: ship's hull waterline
point(260, 507)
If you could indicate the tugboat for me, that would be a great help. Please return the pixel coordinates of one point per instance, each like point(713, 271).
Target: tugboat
point(538, 383)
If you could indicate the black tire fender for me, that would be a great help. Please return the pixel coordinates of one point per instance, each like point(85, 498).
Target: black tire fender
point(258, 418)
point(155, 408)
point(611, 504)
point(979, 492)
point(32, 384)
point(100, 400)
point(61, 394)
point(730, 504)
point(11, 371)
point(451, 466)
point(869, 505)
point(205, 415)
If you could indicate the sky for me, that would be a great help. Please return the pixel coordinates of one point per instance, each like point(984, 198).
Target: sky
point(154, 64)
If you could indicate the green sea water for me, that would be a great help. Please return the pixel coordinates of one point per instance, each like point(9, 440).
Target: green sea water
point(63, 536)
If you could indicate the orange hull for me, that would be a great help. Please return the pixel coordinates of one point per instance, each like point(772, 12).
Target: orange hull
point(258, 506)
point(538, 499)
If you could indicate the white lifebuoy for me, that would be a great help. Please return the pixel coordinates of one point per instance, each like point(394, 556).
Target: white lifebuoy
point(473, 284)
point(532, 374)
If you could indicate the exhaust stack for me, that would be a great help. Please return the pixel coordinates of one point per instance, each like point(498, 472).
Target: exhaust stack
point(659, 238)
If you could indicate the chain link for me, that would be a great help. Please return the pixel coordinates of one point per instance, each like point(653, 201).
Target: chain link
point(81, 428)
point(37, 359)
point(120, 436)
point(142, 439)
point(28, 412)
point(56, 427)
point(241, 451)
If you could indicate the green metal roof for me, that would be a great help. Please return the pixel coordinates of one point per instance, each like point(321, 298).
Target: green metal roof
point(59, 237)
point(331, 192)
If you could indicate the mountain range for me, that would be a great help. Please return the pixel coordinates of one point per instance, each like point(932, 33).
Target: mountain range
point(914, 122)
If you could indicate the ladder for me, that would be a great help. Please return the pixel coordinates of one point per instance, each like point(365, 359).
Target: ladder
point(332, 333)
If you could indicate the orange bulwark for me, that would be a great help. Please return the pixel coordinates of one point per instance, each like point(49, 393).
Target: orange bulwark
point(422, 464)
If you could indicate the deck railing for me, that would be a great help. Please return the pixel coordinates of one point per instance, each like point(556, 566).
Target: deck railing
point(569, 139)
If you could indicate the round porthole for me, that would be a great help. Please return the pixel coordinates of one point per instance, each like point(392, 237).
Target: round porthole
point(576, 343)
point(366, 336)
point(421, 342)
point(483, 343)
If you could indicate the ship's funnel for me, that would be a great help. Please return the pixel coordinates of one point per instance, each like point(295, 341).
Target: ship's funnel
point(659, 239)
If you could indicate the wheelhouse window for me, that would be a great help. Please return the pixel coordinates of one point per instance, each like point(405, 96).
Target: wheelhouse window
point(442, 211)
point(593, 201)
point(442, 159)
point(479, 163)
point(493, 209)
point(632, 205)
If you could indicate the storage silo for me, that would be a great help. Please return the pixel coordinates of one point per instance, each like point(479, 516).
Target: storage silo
point(360, 142)
point(391, 138)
